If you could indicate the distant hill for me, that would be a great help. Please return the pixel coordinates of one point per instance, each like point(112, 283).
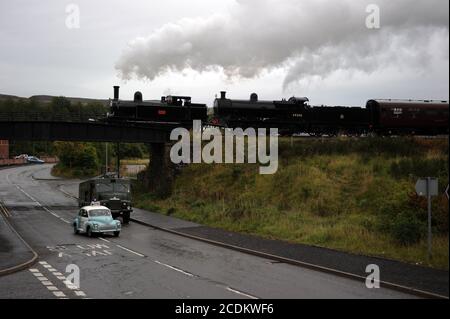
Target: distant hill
point(48, 99)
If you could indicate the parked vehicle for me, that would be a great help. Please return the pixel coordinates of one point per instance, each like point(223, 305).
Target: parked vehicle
point(34, 160)
point(95, 220)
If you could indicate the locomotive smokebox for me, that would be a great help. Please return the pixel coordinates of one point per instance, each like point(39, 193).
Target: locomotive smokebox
point(137, 96)
point(116, 92)
point(223, 95)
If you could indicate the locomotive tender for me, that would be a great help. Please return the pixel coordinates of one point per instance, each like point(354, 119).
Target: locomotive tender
point(292, 116)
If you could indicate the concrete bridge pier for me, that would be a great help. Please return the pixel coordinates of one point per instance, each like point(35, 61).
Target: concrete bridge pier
point(160, 173)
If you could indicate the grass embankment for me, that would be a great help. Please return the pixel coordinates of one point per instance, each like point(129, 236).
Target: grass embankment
point(355, 195)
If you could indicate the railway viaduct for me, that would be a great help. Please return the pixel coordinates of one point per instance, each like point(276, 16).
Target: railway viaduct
point(158, 178)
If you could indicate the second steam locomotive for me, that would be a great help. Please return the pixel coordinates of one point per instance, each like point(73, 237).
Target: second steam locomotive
point(292, 116)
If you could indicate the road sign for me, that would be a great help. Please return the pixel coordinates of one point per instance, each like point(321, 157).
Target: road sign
point(425, 189)
point(428, 187)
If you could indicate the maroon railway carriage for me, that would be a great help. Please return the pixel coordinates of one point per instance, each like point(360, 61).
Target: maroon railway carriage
point(426, 117)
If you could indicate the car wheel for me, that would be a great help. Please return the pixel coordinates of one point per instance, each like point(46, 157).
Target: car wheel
point(89, 232)
point(116, 233)
point(75, 229)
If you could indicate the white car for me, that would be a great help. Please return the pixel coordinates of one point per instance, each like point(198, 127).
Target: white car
point(96, 220)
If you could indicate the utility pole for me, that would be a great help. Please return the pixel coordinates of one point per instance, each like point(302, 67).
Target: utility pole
point(106, 157)
point(118, 160)
point(429, 217)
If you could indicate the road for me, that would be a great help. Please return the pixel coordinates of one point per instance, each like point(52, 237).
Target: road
point(143, 262)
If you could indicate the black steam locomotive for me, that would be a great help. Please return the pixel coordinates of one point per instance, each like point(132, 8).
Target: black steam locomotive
point(177, 110)
point(293, 116)
point(383, 117)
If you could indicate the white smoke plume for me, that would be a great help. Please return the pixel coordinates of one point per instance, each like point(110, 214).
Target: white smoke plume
point(307, 38)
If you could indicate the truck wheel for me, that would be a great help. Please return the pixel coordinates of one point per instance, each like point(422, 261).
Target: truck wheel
point(126, 218)
point(116, 233)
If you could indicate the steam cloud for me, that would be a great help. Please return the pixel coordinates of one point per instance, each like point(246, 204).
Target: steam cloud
point(307, 38)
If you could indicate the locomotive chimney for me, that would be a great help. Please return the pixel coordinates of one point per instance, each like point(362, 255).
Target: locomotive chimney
point(116, 92)
point(137, 96)
point(223, 95)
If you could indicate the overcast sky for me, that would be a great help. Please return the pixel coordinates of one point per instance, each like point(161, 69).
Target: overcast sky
point(321, 49)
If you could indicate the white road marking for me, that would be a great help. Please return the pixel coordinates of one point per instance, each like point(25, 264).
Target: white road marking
point(42, 278)
point(64, 280)
point(59, 294)
point(241, 293)
point(36, 201)
point(47, 283)
point(34, 270)
point(43, 262)
point(174, 268)
point(131, 251)
point(104, 239)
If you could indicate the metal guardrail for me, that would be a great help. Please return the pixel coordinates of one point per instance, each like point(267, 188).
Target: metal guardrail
point(77, 117)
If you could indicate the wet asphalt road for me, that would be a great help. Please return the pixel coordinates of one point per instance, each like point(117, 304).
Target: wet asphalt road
point(143, 262)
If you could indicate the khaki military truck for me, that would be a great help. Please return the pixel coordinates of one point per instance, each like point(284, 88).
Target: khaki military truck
point(108, 191)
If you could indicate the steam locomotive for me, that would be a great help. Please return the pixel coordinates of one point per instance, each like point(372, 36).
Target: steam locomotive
point(382, 117)
point(178, 110)
point(292, 116)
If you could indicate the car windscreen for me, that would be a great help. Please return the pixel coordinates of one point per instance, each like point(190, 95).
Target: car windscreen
point(121, 188)
point(99, 213)
point(103, 188)
point(113, 187)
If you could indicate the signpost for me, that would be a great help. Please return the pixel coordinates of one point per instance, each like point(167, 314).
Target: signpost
point(428, 187)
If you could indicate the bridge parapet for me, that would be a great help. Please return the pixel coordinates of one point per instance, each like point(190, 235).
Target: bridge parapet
point(77, 117)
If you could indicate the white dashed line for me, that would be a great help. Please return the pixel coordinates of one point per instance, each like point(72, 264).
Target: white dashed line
point(131, 251)
point(59, 294)
point(104, 239)
point(174, 268)
point(241, 293)
point(47, 283)
point(51, 287)
point(37, 202)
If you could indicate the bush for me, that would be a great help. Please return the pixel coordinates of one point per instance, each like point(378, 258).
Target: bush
point(406, 229)
point(418, 167)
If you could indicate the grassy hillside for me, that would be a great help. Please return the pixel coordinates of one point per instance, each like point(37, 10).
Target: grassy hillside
point(355, 195)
